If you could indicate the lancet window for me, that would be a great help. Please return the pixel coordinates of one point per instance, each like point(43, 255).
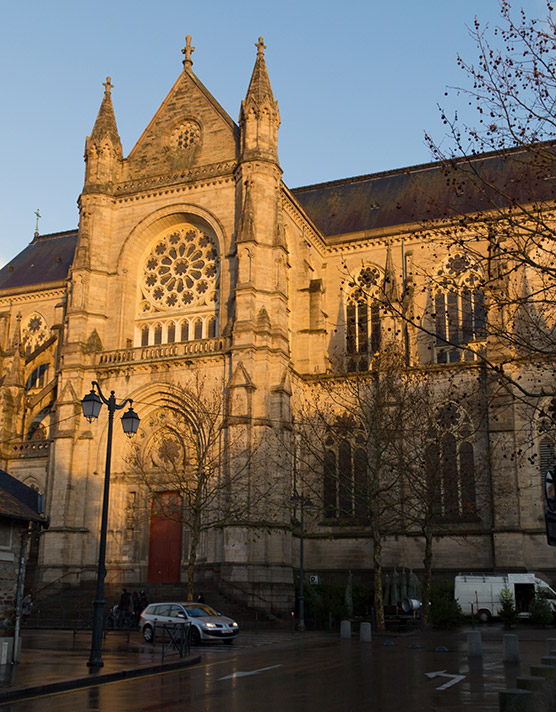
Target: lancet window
point(546, 429)
point(450, 465)
point(363, 321)
point(345, 482)
point(38, 378)
point(459, 311)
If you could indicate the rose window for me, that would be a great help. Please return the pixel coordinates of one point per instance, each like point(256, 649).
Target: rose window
point(181, 271)
point(34, 333)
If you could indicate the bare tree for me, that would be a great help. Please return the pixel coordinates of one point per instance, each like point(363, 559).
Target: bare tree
point(192, 453)
point(394, 451)
point(349, 440)
point(488, 212)
point(440, 459)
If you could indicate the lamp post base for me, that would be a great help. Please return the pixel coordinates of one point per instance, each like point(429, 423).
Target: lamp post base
point(94, 665)
point(95, 657)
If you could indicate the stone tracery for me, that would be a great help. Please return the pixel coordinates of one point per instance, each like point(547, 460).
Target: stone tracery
point(180, 272)
point(34, 333)
point(179, 278)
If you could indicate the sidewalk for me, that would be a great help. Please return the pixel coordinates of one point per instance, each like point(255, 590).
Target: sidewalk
point(56, 660)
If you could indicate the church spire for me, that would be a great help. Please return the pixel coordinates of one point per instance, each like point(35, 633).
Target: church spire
point(260, 91)
point(105, 125)
point(259, 116)
point(103, 148)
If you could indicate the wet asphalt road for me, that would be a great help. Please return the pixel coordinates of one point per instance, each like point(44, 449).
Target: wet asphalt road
point(324, 674)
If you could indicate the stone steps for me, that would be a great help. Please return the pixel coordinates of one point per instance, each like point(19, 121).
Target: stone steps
point(73, 607)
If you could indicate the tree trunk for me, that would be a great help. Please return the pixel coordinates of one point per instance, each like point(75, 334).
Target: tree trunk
point(427, 573)
point(378, 600)
point(195, 536)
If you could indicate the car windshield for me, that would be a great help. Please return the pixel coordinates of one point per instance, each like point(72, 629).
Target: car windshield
point(200, 610)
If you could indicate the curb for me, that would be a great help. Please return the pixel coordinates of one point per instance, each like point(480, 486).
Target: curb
point(93, 679)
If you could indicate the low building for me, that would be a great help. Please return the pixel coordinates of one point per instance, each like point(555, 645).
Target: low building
point(20, 510)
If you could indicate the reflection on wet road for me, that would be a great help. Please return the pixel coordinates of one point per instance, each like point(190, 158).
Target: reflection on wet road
point(323, 673)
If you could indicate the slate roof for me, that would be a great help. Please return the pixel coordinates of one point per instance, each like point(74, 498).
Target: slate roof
point(429, 191)
point(47, 258)
point(415, 194)
point(17, 500)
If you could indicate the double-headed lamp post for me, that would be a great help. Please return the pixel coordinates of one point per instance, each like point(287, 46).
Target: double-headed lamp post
point(92, 403)
point(304, 503)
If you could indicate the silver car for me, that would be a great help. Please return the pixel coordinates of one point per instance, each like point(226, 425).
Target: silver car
point(205, 622)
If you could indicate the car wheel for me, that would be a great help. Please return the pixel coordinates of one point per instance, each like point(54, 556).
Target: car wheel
point(484, 616)
point(148, 634)
point(195, 635)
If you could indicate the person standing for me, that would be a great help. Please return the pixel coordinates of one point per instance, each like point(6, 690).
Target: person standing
point(123, 607)
point(27, 605)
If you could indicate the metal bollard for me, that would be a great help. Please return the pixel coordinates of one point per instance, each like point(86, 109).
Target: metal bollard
point(365, 632)
point(475, 644)
point(549, 674)
point(511, 649)
point(540, 689)
point(516, 701)
point(345, 630)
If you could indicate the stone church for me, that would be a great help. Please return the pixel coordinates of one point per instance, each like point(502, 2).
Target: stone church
point(193, 256)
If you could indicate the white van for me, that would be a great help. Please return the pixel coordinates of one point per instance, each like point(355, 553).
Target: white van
point(480, 593)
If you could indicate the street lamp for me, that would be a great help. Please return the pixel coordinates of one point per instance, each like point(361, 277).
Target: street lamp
point(304, 503)
point(92, 404)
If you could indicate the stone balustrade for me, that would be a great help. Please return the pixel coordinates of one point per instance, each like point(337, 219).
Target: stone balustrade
point(157, 352)
point(31, 448)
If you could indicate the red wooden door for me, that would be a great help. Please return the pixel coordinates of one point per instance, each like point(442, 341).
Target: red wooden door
point(165, 538)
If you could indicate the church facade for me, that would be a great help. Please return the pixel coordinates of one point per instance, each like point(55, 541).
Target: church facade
point(193, 257)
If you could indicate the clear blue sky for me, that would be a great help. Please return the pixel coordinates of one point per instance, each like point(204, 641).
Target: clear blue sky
point(357, 82)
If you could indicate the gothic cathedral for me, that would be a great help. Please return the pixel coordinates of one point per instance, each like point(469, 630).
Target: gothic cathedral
point(195, 267)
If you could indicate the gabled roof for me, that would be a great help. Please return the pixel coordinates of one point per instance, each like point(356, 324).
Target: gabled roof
point(47, 258)
point(17, 500)
point(188, 99)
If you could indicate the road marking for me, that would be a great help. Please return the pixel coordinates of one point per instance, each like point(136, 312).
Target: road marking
point(246, 674)
point(442, 673)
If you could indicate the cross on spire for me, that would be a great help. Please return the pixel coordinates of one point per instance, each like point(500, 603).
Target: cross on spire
point(260, 45)
point(37, 215)
point(107, 85)
point(187, 52)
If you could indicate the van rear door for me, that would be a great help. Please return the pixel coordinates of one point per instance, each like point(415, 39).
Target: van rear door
point(523, 595)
